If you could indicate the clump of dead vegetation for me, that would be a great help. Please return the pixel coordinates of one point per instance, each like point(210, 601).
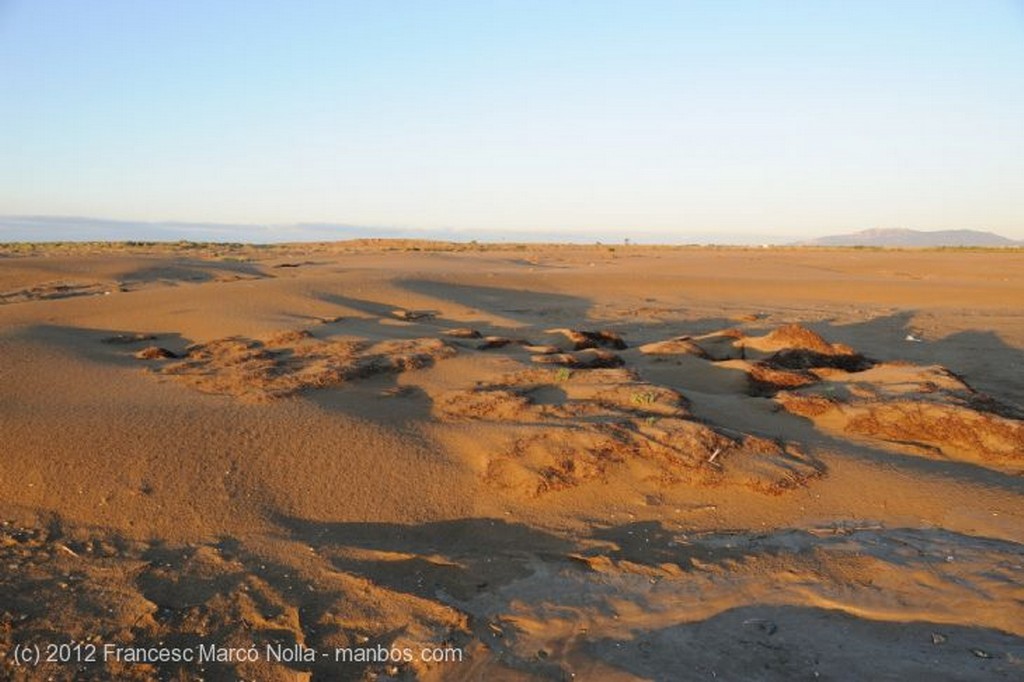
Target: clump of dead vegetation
point(287, 363)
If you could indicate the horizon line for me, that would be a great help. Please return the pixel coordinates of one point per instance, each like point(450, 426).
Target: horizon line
point(64, 228)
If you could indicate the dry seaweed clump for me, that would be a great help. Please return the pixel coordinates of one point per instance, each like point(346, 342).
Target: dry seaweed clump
point(285, 364)
point(799, 359)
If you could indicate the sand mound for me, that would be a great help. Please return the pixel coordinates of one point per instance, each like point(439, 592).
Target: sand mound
point(926, 427)
point(592, 358)
point(721, 345)
point(289, 338)
point(490, 342)
point(462, 333)
point(413, 315)
point(542, 349)
point(284, 364)
point(785, 358)
point(794, 347)
point(793, 337)
point(765, 380)
point(53, 290)
point(926, 410)
point(561, 430)
point(681, 345)
point(586, 339)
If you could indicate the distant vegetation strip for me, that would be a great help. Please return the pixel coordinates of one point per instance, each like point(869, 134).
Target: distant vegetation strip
point(411, 245)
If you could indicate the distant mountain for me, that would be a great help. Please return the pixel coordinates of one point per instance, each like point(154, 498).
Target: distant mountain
point(904, 237)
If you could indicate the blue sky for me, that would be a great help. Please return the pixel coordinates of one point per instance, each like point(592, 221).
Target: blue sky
point(584, 118)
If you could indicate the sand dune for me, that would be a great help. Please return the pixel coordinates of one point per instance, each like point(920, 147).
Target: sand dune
point(542, 463)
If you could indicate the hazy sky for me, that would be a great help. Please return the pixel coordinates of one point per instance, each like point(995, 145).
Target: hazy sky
point(789, 118)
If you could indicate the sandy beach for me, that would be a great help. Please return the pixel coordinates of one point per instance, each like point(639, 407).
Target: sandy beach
point(399, 460)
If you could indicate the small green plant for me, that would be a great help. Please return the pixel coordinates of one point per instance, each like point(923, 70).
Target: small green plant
point(563, 374)
point(644, 398)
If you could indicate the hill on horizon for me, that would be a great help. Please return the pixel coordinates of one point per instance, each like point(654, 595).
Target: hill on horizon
point(906, 237)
